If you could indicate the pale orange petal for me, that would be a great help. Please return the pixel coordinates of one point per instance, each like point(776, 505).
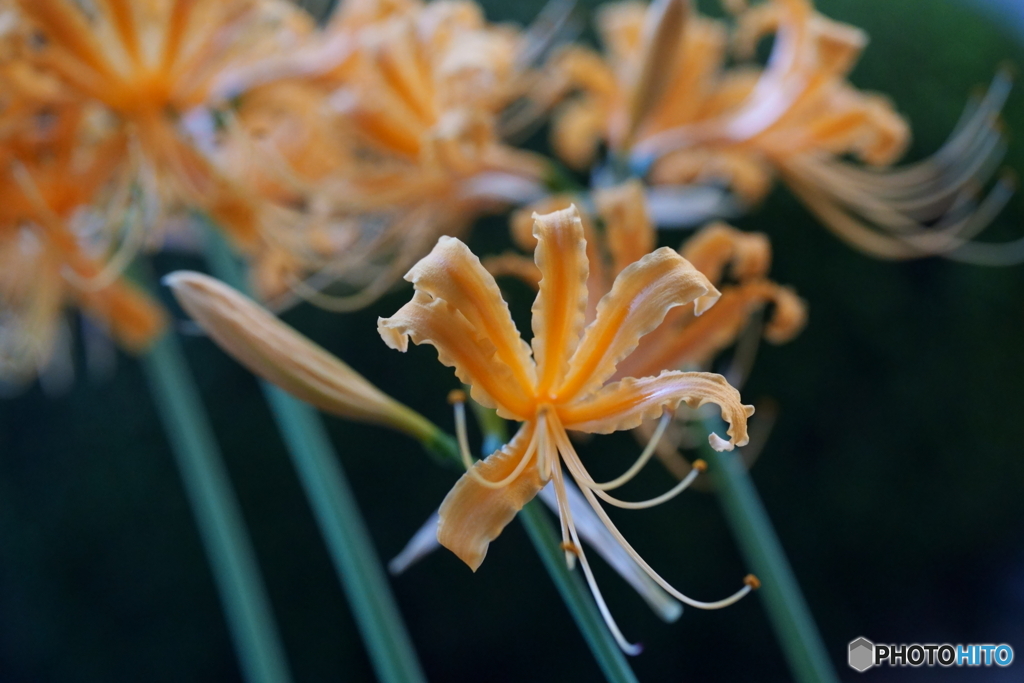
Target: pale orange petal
point(459, 345)
point(628, 228)
point(453, 273)
point(511, 264)
point(473, 515)
point(641, 296)
point(576, 130)
point(625, 404)
point(715, 246)
point(560, 307)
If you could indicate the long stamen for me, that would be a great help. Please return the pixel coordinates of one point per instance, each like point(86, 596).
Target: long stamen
point(572, 461)
point(699, 466)
point(565, 518)
point(577, 549)
point(458, 400)
point(666, 417)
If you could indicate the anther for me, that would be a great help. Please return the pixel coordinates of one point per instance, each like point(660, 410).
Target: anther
point(570, 548)
point(700, 465)
point(456, 396)
point(752, 581)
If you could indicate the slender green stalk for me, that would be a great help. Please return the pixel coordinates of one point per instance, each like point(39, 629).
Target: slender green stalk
point(235, 572)
point(334, 506)
point(548, 545)
point(759, 544)
point(575, 594)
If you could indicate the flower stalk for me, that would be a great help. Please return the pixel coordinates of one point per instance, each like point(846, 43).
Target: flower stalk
point(787, 610)
point(222, 528)
point(330, 496)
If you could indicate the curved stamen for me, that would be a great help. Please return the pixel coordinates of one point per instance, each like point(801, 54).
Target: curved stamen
point(572, 461)
point(566, 518)
point(458, 400)
point(698, 467)
point(666, 417)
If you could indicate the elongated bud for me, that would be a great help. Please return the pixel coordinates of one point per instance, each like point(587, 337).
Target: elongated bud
point(277, 353)
point(663, 35)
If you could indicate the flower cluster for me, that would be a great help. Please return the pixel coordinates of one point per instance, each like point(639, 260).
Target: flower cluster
point(334, 155)
point(337, 157)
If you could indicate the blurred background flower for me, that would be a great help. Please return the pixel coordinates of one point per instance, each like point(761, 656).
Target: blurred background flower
point(892, 473)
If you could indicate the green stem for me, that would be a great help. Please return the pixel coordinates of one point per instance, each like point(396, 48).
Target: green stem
point(334, 506)
point(221, 527)
point(575, 594)
point(759, 544)
point(548, 545)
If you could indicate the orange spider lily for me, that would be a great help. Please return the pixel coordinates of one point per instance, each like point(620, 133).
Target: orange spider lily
point(797, 118)
point(563, 386)
point(151, 62)
point(400, 140)
point(47, 263)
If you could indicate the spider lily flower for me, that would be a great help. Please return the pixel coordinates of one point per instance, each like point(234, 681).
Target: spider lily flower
point(798, 118)
point(412, 108)
point(151, 62)
point(48, 259)
point(562, 386)
point(277, 353)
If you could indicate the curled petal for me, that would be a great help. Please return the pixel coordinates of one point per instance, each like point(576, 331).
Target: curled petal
point(560, 307)
point(641, 296)
point(473, 515)
point(627, 403)
point(279, 354)
point(453, 273)
point(461, 346)
point(713, 247)
point(750, 176)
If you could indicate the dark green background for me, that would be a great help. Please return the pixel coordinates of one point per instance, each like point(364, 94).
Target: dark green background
point(893, 476)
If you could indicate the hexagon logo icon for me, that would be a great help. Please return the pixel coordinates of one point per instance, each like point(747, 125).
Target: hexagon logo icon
point(862, 654)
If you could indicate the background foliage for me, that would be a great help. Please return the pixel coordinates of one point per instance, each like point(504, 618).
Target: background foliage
point(893, 474)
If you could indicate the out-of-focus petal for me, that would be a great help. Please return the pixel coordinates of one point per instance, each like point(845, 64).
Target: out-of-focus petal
point(128, 313)
point(700, 339)
point(713, 247)
point(630, 234)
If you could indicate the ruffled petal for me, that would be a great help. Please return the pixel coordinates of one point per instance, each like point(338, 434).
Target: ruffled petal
point(459, 345)
point(453, 273)
point(560, 307)
point(625, 404)
point(473, 515)
point(641, 296)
